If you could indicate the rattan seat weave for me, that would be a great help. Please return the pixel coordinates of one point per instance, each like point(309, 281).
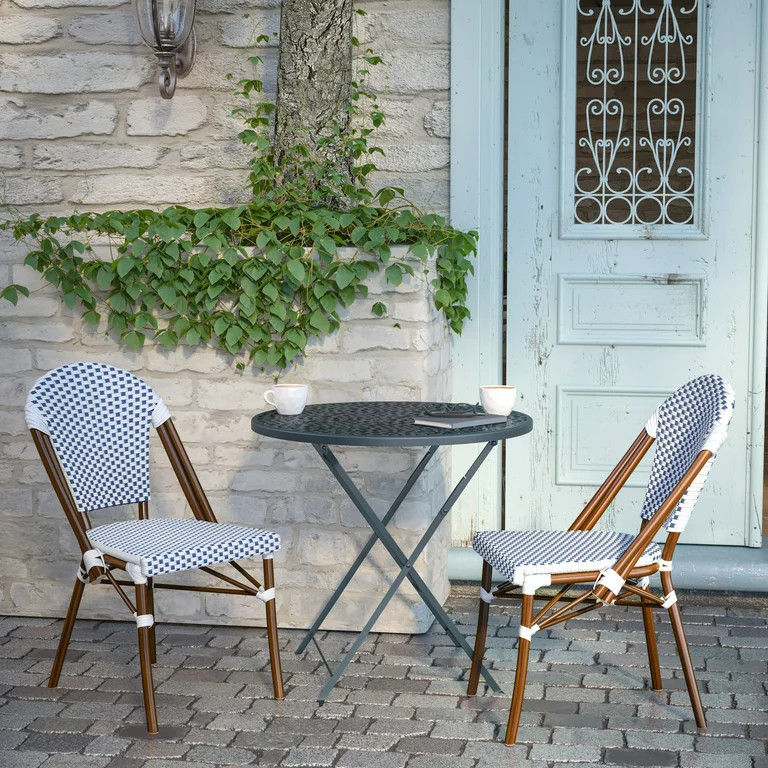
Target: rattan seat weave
point(167, 545)
point(518, 554)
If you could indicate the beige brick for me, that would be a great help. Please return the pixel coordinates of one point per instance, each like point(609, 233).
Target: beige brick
point(15, 360)
point(73, 72)
point(370, 335)
point(411, 158)
point(220, 154)
point(31, 306)
point(47, 359)
point(126, 188)
point(67, 3)
point(322, 547)
point(49, 331)
point(341, 369)
point(234, 6)
point(13, 391)
point(240, 393)
point(239, 32)
point(198, 359)
point(427, 26)
point(20, 30)
point(176, 391)
point(100, 29)
point(11, 156)
point(160, 117)
point(413, 71)
point(26, 190)
point(438, 121)
point(71, 156)
point(20, 120)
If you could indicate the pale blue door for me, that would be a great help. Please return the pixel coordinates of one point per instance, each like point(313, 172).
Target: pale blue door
point(631, 243)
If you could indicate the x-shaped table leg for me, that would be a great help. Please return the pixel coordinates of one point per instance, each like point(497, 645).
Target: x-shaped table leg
point(406, 563)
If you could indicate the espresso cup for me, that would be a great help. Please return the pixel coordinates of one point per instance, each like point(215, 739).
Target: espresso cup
point(498, 399)
point(288, 399)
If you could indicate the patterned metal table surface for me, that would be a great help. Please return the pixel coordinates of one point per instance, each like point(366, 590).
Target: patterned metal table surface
point(379, 423)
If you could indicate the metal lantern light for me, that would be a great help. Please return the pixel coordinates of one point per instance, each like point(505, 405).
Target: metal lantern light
point(167, 28)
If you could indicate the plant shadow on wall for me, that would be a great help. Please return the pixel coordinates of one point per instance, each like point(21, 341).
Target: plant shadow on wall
point(259, 279)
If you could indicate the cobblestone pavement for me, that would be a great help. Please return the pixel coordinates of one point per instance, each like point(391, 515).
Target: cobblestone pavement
point(403, 703)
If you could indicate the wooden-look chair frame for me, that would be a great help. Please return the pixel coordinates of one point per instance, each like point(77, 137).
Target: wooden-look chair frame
point(631, 594)
point(202, 510)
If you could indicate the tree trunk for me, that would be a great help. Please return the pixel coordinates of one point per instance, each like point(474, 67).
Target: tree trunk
point(314, 81)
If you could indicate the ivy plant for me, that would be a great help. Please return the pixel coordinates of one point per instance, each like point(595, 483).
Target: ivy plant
point(261, 278)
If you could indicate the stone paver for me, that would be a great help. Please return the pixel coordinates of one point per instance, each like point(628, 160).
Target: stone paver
point(403, 704)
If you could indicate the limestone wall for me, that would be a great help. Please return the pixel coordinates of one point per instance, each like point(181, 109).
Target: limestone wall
point(83, 126)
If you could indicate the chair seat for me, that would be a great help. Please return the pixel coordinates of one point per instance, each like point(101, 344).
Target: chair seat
point(518, 554)
point(166, 545)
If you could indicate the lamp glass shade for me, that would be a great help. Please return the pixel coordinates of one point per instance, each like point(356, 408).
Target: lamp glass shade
point(165, 24)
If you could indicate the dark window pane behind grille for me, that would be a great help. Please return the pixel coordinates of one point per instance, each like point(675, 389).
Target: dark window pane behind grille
point(635, 123)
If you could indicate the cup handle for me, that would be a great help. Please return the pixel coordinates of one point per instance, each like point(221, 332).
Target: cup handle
point(266, 397)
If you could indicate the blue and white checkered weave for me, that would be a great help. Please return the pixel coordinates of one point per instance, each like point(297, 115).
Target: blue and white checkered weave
point(167, 545)
point(693, 419)
point(98, 418)
point(518, 554)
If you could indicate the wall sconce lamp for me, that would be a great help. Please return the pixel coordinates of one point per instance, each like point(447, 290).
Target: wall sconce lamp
point(167, 28)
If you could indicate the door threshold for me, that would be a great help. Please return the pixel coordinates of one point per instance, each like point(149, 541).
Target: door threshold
point(732, 569)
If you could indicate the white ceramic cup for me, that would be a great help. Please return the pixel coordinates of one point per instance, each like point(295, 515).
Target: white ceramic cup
point(498, 399)
point(288, 399)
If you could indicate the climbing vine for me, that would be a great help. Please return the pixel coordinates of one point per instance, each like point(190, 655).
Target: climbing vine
point(261, 278)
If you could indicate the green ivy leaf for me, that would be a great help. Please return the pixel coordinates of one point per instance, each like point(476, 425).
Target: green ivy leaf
point(296, 268)
point(344, 276)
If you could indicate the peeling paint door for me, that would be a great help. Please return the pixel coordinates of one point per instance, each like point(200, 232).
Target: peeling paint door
point(630, 243)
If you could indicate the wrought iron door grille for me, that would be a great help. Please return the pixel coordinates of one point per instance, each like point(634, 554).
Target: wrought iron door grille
point(636, 112)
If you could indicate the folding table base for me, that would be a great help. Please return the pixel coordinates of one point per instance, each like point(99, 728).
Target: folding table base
point(406, 564)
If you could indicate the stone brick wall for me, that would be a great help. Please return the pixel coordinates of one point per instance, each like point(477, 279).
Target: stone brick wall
point(82, 126)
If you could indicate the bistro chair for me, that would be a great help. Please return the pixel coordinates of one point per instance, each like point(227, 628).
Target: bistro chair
point(91, 423)
point(689, 427)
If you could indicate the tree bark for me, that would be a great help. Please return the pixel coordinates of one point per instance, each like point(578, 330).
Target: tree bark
point(314, 80)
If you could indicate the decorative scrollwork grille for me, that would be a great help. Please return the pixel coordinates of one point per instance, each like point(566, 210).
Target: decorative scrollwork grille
point(636, 93)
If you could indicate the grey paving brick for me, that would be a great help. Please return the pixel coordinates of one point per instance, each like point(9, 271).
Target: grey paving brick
point(370, 742)
point(150, 748)
point(566, 753)
point(699, 760)
point(16, 759)
point(371, 760)
point(306, 757)
point(401, 727)
point(440, 761)
point(107, 746)
point(76, 761)
point(465, 731)
point(671, 741)
point(55, 742)
point(221, 755)
point(729, 746)
point(640, 757)
point(591, 736)
point(420, 744)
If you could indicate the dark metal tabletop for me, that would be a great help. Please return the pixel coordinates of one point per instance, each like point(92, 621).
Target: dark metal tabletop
point(378, 423)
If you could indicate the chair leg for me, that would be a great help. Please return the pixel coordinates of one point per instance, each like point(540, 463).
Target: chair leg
point(274, 645)
point(66, 633)
point(521, 673)
point(145, 659)
point(481, 633)
point(653, 650)
point(152, 638)
point(684, 653)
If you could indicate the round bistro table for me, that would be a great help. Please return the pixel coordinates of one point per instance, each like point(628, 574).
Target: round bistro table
point(386, 424)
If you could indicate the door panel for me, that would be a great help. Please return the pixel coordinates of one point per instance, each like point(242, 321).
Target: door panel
point(604, 318)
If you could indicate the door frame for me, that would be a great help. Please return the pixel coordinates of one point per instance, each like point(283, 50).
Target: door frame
point(477, 194)
point(477, 202)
